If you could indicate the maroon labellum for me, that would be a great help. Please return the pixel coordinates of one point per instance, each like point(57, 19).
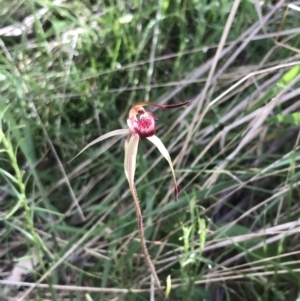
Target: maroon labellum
point(144, 125)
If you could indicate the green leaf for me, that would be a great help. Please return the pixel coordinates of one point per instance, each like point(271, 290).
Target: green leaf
point(289, 119)
point(126, 19)
point(14, 209)
point(289, 76)
point(279, 86)
point(8, 175)
point(235, 230)
point(88, 297)
point(168, 286)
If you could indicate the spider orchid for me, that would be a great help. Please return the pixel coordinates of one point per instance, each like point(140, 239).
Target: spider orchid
point(141, 125)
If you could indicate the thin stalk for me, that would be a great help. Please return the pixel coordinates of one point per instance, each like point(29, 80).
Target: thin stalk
point(143, 241)
point(131, 147)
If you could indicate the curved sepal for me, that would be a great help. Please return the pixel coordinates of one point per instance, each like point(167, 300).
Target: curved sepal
point(157, 142)
point(139, 106)
point(103, 137)
point(131, 147)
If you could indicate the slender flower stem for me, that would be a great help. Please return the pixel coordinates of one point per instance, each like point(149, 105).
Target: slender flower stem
point(131, 147)
point(143, 241)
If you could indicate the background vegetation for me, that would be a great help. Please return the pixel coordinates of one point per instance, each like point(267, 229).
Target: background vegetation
point(69, 72)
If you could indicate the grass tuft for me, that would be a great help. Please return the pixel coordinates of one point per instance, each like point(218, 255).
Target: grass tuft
point(71, 70)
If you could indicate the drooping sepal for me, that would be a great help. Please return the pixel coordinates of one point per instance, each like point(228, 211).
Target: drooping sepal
point(157, 142)
point(138, 107)
point(103, 137)
point(131, 147)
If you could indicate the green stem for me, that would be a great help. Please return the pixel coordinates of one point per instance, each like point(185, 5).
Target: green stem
point(23, 200)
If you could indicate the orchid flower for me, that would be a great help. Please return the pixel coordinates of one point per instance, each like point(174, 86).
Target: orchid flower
point(141, 125)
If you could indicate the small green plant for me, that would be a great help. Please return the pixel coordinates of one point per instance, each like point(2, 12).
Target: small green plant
point(191, 250)
point(141, 125)
point(14, 177)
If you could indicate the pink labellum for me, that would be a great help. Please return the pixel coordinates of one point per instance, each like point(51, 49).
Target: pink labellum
point(145, 127)
point(142, 123)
